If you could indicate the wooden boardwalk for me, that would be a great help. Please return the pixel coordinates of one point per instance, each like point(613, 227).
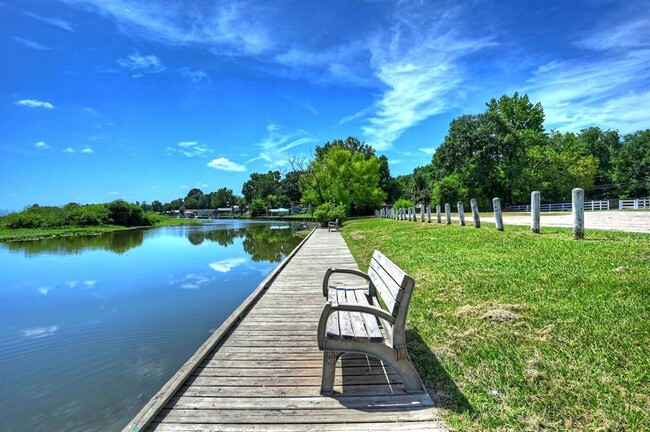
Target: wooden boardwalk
point(263, 371)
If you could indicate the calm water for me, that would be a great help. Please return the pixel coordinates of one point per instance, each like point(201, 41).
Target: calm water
point(92, 327)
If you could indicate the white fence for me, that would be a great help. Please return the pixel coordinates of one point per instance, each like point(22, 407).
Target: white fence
point(589, 205)
point(637, 203)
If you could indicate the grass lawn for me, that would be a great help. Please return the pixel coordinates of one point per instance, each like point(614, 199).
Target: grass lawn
point(516, 331)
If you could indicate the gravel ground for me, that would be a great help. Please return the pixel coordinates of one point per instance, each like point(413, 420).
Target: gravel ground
point(630, 221)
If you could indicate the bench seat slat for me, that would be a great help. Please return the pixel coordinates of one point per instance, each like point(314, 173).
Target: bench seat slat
point(372, 326)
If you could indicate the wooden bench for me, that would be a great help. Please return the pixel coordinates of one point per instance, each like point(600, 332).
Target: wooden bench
point(333, 226)
point(354, 321)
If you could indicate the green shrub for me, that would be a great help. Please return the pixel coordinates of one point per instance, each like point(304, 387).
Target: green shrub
point(328, 211)
point(402, 203)
point(126, 214)
point(258, 207)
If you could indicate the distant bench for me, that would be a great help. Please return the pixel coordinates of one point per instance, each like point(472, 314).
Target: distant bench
point(354, 321)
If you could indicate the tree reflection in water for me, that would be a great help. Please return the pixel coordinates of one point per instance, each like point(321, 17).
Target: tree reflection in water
point(263, 242)
point(118, 242)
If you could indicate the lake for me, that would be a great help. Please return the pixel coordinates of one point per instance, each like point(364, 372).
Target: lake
point(92, 327)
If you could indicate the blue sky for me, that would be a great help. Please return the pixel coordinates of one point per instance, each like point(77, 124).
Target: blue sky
point(105, 99)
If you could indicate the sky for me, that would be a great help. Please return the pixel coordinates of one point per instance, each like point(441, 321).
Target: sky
point(144, 100)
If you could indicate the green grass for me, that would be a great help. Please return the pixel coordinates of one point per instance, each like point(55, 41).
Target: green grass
point(24, 234)
point(559, 328)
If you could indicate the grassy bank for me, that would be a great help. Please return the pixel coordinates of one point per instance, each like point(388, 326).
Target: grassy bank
point(25, 234)
point(515, 331)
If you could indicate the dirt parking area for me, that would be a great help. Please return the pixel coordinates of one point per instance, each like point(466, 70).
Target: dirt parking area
point(630, 221)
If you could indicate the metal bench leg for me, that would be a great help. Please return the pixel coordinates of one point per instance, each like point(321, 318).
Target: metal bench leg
point(329, 371)
point(409, 376)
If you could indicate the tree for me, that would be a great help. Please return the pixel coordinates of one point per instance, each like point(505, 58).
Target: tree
point(156, 206)
point(195, 199)
point(632, 165)
point(352, 144)
point(290, 186)
point(222, 198)
point(387, 183)
point(261, 185)
point(343, 176)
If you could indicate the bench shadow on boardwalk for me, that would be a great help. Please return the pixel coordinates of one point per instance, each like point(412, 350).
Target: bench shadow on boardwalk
point(264, 372)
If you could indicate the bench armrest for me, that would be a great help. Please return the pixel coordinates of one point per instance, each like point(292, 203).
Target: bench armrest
point(330, 271)
point(348, 307)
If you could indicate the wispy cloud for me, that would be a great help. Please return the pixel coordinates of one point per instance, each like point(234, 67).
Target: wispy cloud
point(140, 64)
point(189, 149)
point(57, 22)
point(35, 103)
point(224, 164)
point(69, 150)
point(605, 89)
point(87, 150)
point(420, 63)
point(275, 147)
point(41, 145)
point(224, 266)
point(232, 27)
point(196, 76)
point(428, 150)
point(32, 44)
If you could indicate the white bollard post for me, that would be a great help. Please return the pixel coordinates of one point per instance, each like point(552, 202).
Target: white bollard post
point(448, 213)
point(438, 214)
point(578, 208)
point(422, 213)
point(498, 218)
point(461, 213)
point(535, 203)
point(475, 215)
point(428, 214)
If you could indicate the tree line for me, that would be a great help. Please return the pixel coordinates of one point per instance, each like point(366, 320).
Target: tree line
point(505, 152)
point(502, 152)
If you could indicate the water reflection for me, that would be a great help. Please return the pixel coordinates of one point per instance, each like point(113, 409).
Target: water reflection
point(263, 242)
point(118, 242)
point(92, 327)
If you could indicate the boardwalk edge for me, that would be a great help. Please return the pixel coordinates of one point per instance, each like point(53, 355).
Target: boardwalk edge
point(160, 399)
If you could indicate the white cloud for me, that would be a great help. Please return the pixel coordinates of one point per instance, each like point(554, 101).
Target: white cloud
point(35, 103)
point(39, 332)
point(278, 142)
point(69, 150)
point(229, 28)
point(57, 22)
point(224, 266)
point(41, 145)
point(196, 76)
point(141, 64)
point(605, 88)
point(226, 165)
point(420, 63)
point(44, 290)
point(90, 283)
point(32, 44)
point(87, 150)
point(428, 150)
point(189, 149)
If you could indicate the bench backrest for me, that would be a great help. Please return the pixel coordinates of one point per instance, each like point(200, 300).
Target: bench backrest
point(395, 288)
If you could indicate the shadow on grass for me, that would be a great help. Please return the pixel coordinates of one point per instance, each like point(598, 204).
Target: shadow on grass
point(441, 387)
